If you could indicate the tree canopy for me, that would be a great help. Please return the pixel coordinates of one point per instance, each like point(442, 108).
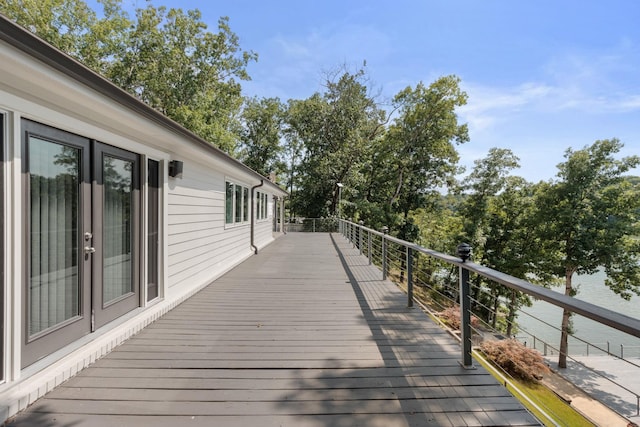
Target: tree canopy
point(165, 57)
point(588, 219)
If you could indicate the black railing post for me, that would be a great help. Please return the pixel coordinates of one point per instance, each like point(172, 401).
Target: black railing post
point(464, 252)
point(385, 230)
point(409, 277)
point(369, 247)
point(360, 236)
point(352, 231)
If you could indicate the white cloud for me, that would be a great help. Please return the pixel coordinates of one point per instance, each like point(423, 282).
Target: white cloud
point(489, 106)
point(298, 63)
point(593, 82)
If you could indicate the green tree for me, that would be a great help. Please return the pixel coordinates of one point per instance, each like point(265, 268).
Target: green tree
point(63, 23)
point(587, 220)
point(293, 150)
point(166, 58)
point(493, 217)
point(487, 179)
point(420, 147)
point(262, 130)
point(336, 129)
point(73, 27)
point(509, 244)
point(189, 74)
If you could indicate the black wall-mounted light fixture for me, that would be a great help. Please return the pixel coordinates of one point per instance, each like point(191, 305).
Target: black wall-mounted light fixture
point(175, 168)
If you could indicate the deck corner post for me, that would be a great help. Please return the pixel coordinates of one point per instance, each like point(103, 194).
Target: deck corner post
point(464, 252)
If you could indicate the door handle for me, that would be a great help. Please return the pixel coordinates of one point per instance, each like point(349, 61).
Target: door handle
point(89, 249)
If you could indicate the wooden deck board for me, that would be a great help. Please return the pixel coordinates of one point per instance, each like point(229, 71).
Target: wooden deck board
point(304, 334)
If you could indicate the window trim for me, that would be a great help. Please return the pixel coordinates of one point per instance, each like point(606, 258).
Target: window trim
point(262, 206)
point(236, 209)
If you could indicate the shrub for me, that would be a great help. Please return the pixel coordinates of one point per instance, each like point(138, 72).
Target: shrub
point(516, 359)
point(451, 316)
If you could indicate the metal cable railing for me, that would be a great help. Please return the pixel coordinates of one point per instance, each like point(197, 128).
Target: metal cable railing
point(447, 279)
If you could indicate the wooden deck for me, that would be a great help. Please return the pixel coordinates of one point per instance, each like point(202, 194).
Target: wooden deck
point(303, 334)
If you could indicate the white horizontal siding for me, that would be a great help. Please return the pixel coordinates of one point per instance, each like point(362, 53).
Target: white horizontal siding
point(263, 233)
point(199, 245)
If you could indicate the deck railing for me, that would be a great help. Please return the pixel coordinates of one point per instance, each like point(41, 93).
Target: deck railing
point(312, 225)
point(400, 258)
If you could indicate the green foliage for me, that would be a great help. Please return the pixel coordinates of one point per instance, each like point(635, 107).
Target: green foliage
point(336, 129)
point(588, 219)
point(63, 23)
point(261, 149)
point(494, 214)
point(166, 58)
point(421, 142)
point(189, 74)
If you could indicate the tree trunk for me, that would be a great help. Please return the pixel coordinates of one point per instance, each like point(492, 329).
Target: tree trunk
point(566, 317)
point(495, 307)
point(513, 308)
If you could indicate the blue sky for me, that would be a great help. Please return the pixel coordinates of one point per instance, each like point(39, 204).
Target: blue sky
point(541, 75)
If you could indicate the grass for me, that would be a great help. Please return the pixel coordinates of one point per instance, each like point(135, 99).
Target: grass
point(562, 411)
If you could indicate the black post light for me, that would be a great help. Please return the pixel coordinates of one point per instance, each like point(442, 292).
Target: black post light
point(464, 251)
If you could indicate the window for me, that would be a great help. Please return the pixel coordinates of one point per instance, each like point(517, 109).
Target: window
point(153, 228)
point(262, 201)
point(245, 204)
point(265, 204)
point(236, 203)
point(229, 204)
point(258, 205)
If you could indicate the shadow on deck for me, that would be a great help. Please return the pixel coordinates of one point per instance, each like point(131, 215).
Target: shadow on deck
point(303, 334)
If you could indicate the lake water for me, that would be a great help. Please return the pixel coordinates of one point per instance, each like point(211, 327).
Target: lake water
point(593, 290)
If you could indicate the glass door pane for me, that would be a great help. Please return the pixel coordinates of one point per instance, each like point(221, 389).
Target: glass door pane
point(116, 226)
point(117, 239)
point(57, 220)
point(153, 228)
point(54, 285)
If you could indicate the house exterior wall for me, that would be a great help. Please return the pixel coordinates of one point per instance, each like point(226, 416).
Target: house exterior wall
point(195, 246)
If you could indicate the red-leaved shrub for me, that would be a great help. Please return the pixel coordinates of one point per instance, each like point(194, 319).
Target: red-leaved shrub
point(516, 359)
point(451, 316)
